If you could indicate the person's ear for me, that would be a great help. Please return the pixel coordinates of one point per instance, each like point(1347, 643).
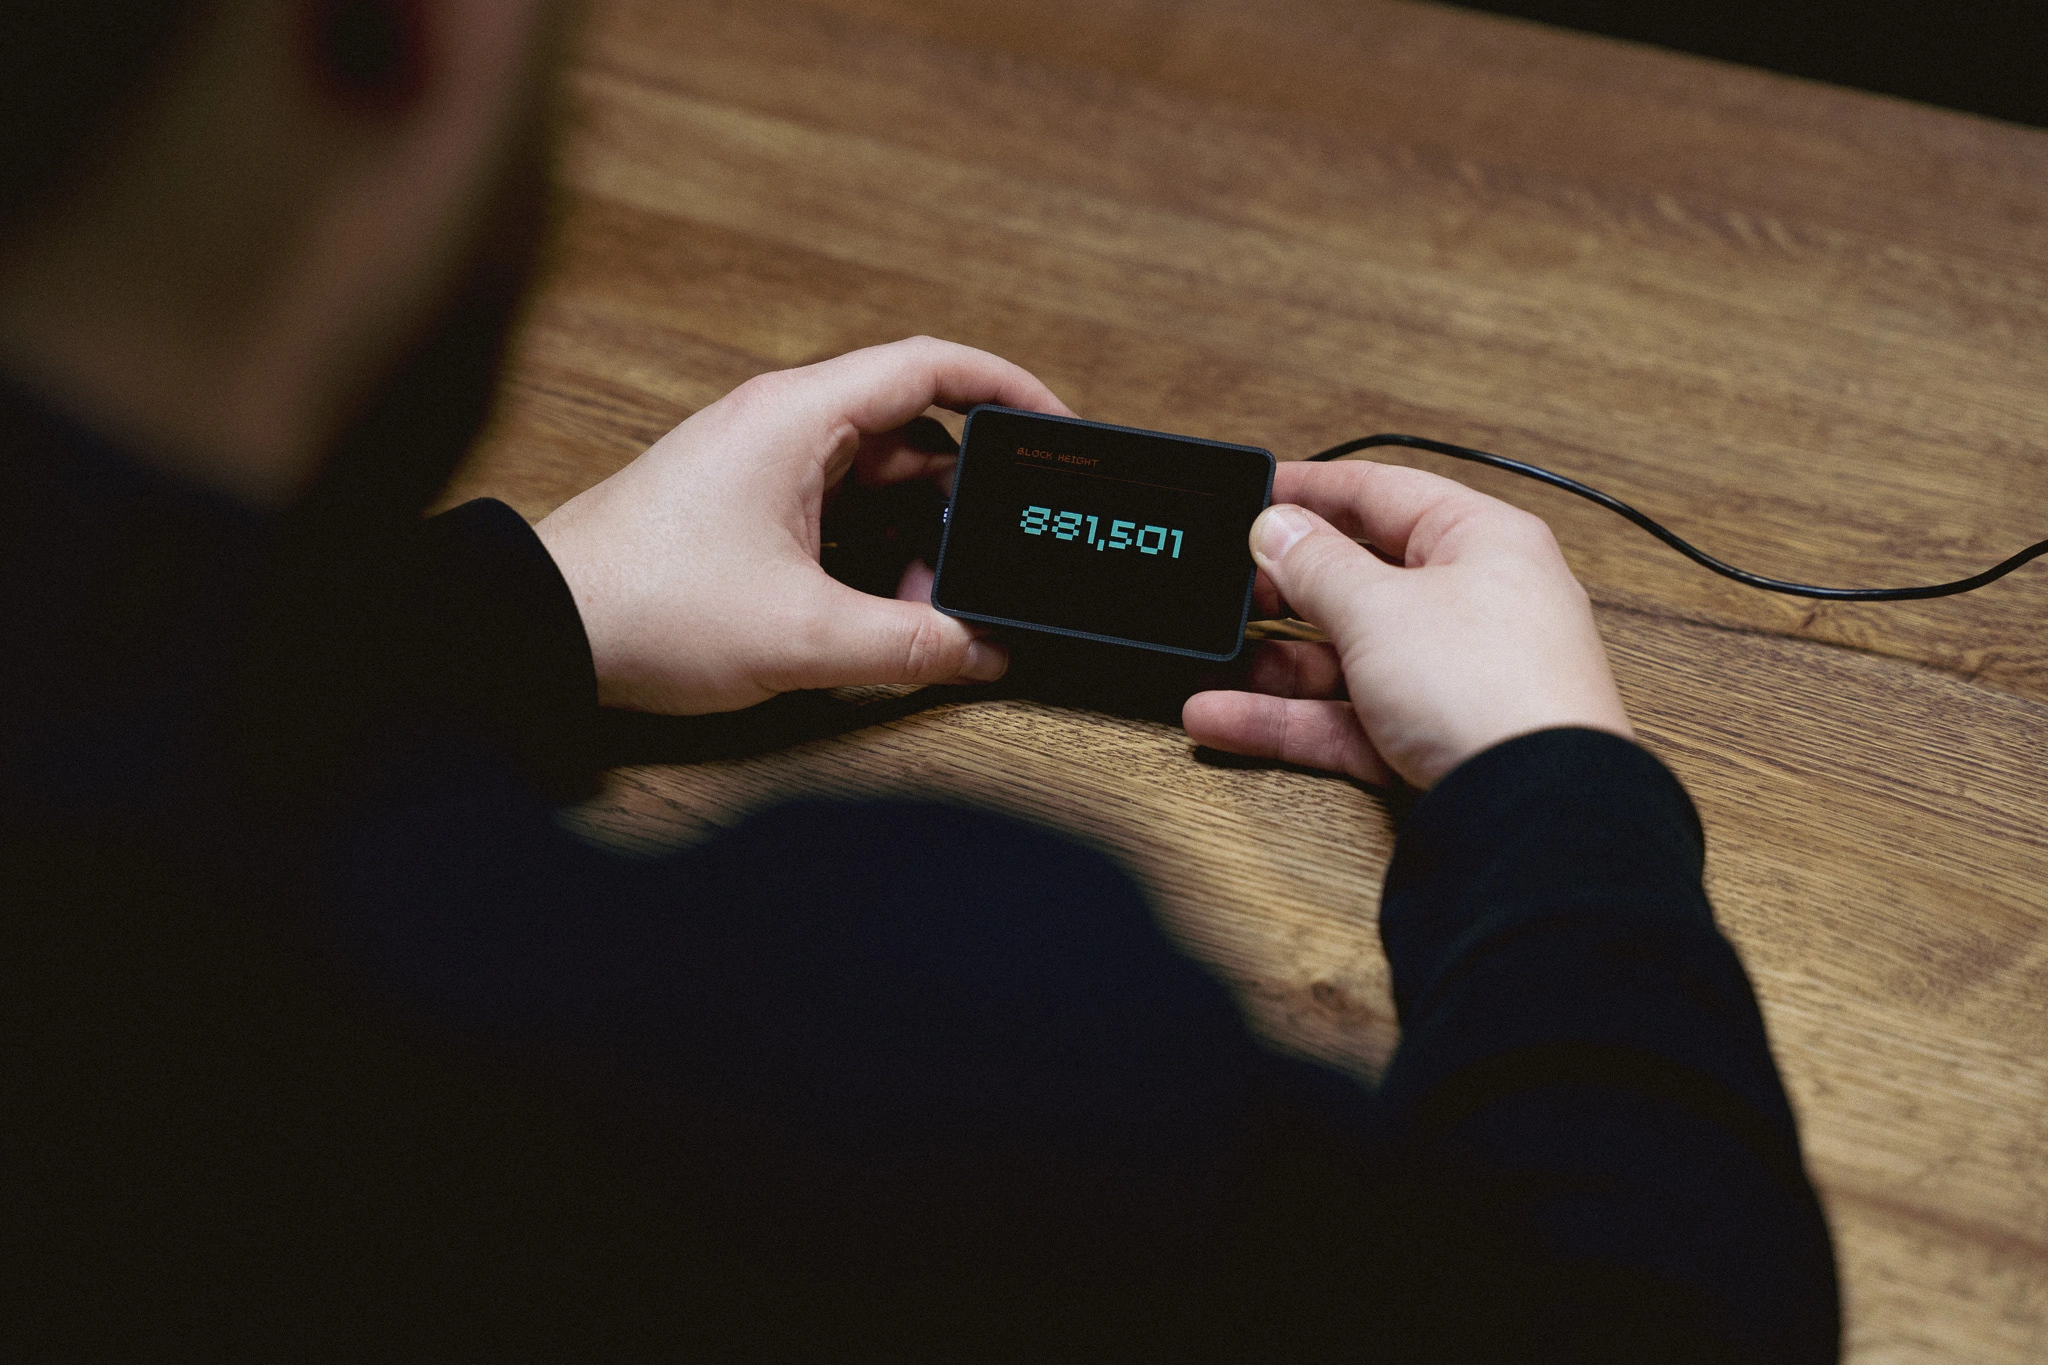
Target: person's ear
point(370, 55)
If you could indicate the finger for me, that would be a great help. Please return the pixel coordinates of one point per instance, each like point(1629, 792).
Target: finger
point(916, 583)
point(1321, 572)
point(883, 387)
point(852, 639)
point(1313, 734)
point(907, 452)
point(893, 464)
point(1282, 669)
point(1266, 599)
point(1404, 512)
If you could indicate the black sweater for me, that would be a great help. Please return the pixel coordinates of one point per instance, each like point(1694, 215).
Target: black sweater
point(324, 1034)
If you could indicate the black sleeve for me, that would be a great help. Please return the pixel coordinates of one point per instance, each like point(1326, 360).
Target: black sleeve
point(1600, 1156)
point(491, 634)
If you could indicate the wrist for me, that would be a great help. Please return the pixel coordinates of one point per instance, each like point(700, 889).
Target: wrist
point(1439, 766)
point(1454, 746)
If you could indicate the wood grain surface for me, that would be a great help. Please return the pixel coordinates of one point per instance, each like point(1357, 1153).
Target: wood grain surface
point(1807, 327)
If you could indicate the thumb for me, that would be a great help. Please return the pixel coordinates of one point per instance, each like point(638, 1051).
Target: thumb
point(859, 639)
point(1318, 569)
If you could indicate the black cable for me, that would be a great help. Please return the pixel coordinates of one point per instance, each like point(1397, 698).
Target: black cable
point(1697, 556)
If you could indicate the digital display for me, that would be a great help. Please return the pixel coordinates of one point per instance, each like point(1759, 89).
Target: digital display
point(1103, 532)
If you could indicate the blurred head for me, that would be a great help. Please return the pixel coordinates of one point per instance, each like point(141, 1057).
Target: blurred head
point(273, 245)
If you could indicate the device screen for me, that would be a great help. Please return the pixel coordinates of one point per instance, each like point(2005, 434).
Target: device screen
point(1080, 528)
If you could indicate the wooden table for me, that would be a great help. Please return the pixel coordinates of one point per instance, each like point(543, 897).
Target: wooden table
point(1807, 327)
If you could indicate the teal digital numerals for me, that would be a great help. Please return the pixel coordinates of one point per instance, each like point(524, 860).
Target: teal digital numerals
point(1123, 535)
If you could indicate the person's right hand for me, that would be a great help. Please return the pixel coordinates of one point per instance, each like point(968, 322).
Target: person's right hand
point(1466, 629)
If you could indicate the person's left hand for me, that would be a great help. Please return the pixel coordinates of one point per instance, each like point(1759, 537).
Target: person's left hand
point(696, 567)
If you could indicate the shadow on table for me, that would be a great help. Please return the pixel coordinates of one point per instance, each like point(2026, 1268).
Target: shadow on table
point(1075, 674)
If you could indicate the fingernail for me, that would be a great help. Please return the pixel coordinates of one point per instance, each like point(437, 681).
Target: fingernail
point(1276, 530)
point(985, 662)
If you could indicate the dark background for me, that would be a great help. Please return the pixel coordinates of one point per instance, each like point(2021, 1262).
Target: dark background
point(1976, 55)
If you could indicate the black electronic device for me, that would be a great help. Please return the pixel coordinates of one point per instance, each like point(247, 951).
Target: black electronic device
point(1102, 532)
